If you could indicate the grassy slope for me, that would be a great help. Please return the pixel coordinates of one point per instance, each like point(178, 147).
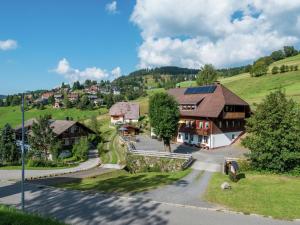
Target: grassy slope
point(254, 89)
point(143, 101)
point(12, 115)
point(271, 195)
point(12, 216)
point(124, 182)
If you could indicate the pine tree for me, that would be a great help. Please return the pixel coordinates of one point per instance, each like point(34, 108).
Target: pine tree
point(273, 134)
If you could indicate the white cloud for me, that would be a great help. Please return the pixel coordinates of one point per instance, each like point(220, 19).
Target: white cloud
point(8, 45)
point(192, 33)
point(111, 7)
point(116, 72)
point(93, 73)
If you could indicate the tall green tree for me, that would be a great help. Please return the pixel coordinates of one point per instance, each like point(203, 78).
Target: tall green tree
point(260, 67)
point(289, 51)
point(277, 55)
point(207, 75)
point(273, 134)
point(164, 116)
point(67, 102)
point(80, 150)
point(8, 148)
point(42, 139)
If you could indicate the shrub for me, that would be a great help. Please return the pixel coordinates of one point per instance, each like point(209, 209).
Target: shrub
point(40, 163)
point(244, 165)
point(80, 150)
point(282, 69)
point(100, 148)
point(275, 70)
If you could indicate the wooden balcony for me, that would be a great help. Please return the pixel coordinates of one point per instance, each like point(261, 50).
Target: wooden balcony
point(234, 115)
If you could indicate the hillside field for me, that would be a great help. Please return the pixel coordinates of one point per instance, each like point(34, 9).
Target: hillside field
point(254, 89)
point(12, 114)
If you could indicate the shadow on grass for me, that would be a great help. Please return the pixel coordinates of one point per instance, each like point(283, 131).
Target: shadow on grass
point(125, 183)
point(240, 176)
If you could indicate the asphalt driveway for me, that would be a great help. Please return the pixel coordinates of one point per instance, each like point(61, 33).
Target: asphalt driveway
point(210, 160)
point(76, 207)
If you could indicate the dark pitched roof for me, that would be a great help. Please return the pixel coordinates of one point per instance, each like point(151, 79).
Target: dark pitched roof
point(208, 104)
point(57, 126)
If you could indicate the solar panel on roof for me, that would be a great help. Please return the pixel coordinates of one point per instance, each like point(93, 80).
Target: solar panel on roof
point(200, 90)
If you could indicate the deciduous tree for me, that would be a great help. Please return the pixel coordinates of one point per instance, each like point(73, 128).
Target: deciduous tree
point(207, 75)
point(164, 116)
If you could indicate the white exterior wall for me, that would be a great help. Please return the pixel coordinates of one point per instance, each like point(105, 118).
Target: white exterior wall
point(113, 121)
point(223, 139)
point(131, 121)
point(214, 140)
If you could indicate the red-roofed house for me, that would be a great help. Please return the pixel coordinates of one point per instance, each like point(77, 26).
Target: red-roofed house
point(210, 115)
point(124, 112)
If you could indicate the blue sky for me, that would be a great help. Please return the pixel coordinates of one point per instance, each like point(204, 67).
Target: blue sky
point(47, 31)
point(43, 43)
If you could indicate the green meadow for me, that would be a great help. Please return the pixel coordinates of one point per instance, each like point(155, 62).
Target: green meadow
point(13, 116)
point(254, 89)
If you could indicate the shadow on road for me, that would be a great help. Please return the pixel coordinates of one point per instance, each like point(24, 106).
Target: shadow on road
point(81, 208)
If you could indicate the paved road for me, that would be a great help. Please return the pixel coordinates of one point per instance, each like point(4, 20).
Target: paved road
point(75, 207)
point(15, 175)
point(187, 191)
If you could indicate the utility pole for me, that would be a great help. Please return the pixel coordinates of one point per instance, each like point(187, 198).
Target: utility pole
point(23, 156)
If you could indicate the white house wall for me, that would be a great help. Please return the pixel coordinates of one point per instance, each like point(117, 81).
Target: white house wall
point(113, 121)
point(214, 140)
point(223, 139)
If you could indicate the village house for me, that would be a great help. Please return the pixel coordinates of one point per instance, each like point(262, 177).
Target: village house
point(210, 116)
point(47, 95)
point(124, 112)
point(73, 97)
point(94, 89)
point(67, 131)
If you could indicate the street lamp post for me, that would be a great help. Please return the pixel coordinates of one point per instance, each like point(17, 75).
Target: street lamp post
point(23, 156)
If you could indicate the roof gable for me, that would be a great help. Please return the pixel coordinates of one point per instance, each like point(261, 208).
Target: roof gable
point(211, 101)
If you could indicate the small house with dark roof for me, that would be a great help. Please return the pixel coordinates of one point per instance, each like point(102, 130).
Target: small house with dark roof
point(210, 116)
point(68, 131)
point(124, 112)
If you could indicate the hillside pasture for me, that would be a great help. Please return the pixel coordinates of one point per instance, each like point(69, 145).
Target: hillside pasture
point(12, 114)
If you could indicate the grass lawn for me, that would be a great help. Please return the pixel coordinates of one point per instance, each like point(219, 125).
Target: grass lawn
point(12, 216)
point(123, 182)
point(270, 195)
point(12, 114)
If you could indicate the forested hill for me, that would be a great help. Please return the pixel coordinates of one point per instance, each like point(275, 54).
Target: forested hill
point(165, 77)
point(170, 70)
point(2, 96)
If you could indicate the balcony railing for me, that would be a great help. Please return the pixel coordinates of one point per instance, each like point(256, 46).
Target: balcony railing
point(234, 115)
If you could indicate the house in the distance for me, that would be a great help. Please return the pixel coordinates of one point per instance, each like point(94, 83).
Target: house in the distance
point(124, 112)
point(47, 95)
point(210, 116)
point(67, 131)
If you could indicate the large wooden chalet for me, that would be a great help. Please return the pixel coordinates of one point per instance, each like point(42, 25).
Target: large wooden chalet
point(67, 131)
point(210, 116)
